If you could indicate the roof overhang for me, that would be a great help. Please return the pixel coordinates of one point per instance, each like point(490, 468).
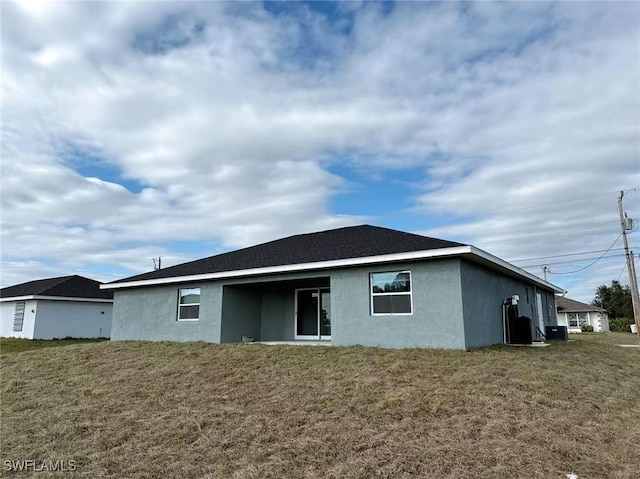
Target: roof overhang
point(55, 298)
point(470, 252)
point(594, 310)
point(490, 260)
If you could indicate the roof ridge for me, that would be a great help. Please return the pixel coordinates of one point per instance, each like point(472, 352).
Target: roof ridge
point(64, 279)
point(61, 280)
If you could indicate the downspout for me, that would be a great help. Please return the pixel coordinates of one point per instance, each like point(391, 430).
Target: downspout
point(504, 323)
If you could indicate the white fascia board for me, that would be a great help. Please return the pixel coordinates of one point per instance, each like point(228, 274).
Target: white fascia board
point(342, 263)
point(292, 268)
point(55, 298)
point(520, 272)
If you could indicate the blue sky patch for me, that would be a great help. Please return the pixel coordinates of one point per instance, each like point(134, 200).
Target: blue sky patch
point(88, 161)
point(385, 196)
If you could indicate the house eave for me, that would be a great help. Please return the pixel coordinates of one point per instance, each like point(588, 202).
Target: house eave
point(458, 251)
point(54, 298)
point(477, 253)
point(582, 311)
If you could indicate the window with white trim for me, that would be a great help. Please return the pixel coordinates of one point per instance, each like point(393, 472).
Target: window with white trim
point(391, 293)
point(188, 304)
point(577, 320)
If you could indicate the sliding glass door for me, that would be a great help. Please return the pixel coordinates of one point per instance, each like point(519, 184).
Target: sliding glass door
point(313, 313)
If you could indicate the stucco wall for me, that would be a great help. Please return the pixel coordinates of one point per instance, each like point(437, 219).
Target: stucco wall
point(150, 314)
point(483, 293)
point(241, 310)
point(277, 317)
point(75, 319)
point(436, 321)
point(451, 298)
point(7, 312)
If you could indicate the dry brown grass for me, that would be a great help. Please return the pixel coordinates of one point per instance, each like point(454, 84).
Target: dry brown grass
point(160, 410)
point(15, 345)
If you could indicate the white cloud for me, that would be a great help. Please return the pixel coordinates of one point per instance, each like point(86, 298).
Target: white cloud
point(226, 120)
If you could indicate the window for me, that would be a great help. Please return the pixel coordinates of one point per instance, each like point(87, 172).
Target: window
point(577, 320)
point(188, 304)
point(391, 293)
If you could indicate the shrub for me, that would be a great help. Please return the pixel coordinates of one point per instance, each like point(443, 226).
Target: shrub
point(620, 325)
point(587, 328)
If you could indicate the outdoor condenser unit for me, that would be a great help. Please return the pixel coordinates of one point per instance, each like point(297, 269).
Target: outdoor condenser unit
point(556, 333)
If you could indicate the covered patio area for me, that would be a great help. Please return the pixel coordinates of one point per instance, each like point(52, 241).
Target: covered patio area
point(291, 311)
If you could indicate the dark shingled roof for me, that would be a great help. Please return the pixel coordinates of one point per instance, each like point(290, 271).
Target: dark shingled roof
point(336, 244)
point(65, 286)
point(573, 306)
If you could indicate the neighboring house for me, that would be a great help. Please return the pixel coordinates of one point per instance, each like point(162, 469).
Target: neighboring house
point(68, 306)
point(358, 285)
point(574, 314)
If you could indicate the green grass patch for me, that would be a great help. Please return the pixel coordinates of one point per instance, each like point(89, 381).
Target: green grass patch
point(15, 345)
point(607, 338)
point(145, 410)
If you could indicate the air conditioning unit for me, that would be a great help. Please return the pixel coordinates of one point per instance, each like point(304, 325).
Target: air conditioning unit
point(556, 333)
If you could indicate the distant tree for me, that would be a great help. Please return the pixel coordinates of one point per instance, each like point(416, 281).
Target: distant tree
point(399, 283)
point(616, 299)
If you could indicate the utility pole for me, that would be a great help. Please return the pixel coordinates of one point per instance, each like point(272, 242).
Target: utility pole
point(545, 268)
point(157, 263)
point(631, 268)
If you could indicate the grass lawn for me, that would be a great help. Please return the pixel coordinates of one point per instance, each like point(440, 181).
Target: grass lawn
point(14, 345)
point(164, 410)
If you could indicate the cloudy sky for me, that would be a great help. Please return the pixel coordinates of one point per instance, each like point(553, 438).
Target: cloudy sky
point(132, 130)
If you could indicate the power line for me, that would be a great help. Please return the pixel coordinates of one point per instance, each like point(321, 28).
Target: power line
point(549, 233)
point(589, 265)
point(567, 254)
point(541, 205)
point(622, 271)
point(462, 219)
point(570, 261)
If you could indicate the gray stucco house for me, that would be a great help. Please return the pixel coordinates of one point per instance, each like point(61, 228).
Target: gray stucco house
point(363, 285)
